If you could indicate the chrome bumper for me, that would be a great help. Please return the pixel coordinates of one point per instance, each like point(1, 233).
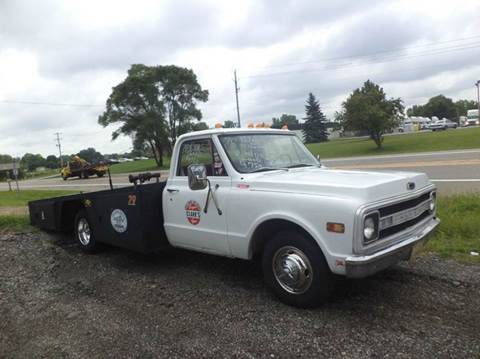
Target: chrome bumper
point(363, 266)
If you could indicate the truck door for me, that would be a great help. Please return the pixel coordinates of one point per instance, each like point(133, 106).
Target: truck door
point(186, 223)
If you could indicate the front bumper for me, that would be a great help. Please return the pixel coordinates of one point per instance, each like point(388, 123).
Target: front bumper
point(363, 266)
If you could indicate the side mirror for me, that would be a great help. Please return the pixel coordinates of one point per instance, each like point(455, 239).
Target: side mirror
point(197, 177)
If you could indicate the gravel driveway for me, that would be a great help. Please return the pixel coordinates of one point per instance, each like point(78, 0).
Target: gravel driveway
point(58, 302)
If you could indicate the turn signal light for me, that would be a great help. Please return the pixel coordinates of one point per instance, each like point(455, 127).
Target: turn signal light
point(335, 227)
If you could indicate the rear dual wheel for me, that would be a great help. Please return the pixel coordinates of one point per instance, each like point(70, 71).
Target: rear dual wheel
point(296, 270)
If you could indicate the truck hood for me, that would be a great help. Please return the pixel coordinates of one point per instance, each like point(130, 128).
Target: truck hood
point(369, 186)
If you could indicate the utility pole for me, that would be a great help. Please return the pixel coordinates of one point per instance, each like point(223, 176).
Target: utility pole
point(59, 145)
point(236, 97)
point(478, 97)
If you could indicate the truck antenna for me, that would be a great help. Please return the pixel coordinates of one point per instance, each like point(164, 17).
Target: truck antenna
point(110, 179)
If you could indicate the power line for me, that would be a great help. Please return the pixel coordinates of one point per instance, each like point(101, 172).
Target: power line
point(48, 103)
point(370, 54)
point(379, 61)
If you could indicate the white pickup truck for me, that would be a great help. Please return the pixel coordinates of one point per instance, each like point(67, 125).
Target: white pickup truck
point(259, 193)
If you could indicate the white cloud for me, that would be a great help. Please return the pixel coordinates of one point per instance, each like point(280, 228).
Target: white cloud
point(75, 52)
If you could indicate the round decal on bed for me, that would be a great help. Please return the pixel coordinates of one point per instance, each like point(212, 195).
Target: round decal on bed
point(192, 209)
point(118, 220)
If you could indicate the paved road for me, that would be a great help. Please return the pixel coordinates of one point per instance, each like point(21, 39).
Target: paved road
point(452, 171)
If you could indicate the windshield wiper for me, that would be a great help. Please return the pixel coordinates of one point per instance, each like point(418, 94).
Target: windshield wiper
point(297, 165)
point(263, 169)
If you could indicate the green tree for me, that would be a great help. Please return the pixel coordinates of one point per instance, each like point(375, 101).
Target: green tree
point(462, 106)
point(90, 155)
point(229, 124)
point(200, 126)
point(368, 110)
point(315, 129)
point(52, 162)
point(285, 119)
point(155, 105)
point(32, 161)
point(6, 159)
point(439, 106)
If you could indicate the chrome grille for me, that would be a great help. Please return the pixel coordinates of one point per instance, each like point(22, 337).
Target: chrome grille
point(391, 223)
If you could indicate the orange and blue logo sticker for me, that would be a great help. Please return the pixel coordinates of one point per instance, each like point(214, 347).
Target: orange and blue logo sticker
point(192, 210)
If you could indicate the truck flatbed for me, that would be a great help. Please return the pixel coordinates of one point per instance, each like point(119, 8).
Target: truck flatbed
point(128, 217)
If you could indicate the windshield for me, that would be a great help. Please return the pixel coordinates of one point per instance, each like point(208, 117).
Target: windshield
point(266, 152)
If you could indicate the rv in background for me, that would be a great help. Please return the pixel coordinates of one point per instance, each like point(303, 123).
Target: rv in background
point(472, 118)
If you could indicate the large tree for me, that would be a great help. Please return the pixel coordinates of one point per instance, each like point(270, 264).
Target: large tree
point(32, 161)
point(52, 162)
point(439, 106)
point(155, 104)
point(462, 106)
point(368, 110)
point(91, 155)
point(315, 129)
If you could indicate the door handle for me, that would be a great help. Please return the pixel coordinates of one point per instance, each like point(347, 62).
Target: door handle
point(173, 190)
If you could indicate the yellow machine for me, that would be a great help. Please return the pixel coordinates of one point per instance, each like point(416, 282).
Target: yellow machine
point(78, 167)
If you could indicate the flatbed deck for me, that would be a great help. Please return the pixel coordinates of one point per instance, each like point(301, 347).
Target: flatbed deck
point(128, 217)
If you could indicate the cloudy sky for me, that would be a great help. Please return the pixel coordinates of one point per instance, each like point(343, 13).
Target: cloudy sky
point(60, 59)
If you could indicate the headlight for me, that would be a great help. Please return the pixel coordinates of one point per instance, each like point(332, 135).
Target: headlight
point(370, 227)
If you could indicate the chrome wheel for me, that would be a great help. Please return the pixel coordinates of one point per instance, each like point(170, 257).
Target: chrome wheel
point(83, 231)
point(292, 270)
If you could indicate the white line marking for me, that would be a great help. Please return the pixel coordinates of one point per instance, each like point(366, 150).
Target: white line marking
point(401, 155)
point(456, 180)
point(73, 185)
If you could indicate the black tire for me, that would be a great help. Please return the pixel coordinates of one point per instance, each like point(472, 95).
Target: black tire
point(64, 178)
point(90, 245)
point(320, 279)
point(100, 174)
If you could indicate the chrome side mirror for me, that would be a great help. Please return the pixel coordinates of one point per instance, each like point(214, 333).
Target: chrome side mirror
point(197, 177)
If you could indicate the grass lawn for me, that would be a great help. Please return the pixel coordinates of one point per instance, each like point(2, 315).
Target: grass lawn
point(18, 222)
point(413, 142)
point(139, 166)
point(20, 199)
point(46, 173)
point(15, 223)
point(459, 232)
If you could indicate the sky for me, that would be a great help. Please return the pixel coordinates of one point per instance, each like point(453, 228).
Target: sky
point(59, 59)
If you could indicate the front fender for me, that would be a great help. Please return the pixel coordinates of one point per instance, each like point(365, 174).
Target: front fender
point(285, 216)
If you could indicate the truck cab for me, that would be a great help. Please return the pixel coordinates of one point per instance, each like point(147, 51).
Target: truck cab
point(262, 194)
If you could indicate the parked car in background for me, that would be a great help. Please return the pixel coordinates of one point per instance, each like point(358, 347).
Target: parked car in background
point(442, 124)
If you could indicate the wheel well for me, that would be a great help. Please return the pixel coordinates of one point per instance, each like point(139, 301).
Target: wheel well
point(68, 212)
point(267, 229)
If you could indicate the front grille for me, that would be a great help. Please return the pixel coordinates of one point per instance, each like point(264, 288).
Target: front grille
point(400, 227)
point(400, 216)
point(397, 207)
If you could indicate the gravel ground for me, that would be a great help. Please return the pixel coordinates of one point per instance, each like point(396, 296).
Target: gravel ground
point(58, 302)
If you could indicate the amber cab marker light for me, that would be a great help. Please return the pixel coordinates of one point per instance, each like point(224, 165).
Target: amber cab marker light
point(335, 227)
